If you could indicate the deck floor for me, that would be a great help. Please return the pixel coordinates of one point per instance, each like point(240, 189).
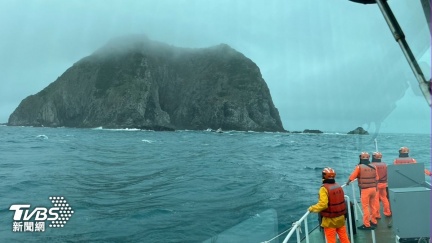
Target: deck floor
point(383, 233)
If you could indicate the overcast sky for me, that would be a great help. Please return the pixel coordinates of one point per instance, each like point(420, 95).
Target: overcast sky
point(330, 65)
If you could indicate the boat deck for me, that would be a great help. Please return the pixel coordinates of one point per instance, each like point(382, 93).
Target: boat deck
point(407, 183)
point(383, 233)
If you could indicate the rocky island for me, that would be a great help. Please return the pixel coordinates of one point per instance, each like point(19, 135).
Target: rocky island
point(359, 130)
point(134, 82)
point(312, 131)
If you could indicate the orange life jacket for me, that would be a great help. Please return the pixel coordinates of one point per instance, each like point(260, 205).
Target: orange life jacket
point(367, 176)
point(404, 160)
point(336, 201)
point(382, 171)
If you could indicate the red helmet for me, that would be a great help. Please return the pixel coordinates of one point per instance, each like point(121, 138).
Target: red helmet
point(364, 155)
point(328, 173)
point(404, 150)
point(377, 155)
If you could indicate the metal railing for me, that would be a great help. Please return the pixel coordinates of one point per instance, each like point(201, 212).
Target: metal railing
point(296, 227)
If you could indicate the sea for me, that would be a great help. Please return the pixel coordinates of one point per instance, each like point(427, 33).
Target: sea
point(130, 185)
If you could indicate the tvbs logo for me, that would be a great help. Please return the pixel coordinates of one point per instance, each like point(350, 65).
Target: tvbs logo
point(26, 219)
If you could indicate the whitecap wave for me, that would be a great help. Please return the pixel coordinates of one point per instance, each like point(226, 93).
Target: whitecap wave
point(124, 129)
point(117, 129)
point(42, 136)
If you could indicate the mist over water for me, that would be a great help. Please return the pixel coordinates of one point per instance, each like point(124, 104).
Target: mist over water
point(184, 186)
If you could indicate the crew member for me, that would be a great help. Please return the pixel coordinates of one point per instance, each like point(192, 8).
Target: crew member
point(404, 158)
point(367, 176)
point(381, 195)
point(331, 205)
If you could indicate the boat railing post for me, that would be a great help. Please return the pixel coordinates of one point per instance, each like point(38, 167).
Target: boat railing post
point(355, 201)
point(306, 230)
point(296, 226)
point(350, 219)
point(298, 232)
point(373, 236)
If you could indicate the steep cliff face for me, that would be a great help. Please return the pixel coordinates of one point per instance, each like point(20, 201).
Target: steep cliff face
point(151, 85)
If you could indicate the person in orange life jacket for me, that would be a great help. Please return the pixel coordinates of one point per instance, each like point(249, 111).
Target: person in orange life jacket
point(404, 158)
point(367, 181)
point(331, 205)
point(381, 195)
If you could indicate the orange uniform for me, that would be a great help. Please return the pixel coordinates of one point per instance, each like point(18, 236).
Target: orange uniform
point(367, 176)
point(381, 195)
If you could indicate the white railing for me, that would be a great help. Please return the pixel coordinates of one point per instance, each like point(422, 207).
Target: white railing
point(296, 227)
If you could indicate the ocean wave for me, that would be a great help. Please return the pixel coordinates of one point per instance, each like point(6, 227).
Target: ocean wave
point(312, 168)
point(119, 129)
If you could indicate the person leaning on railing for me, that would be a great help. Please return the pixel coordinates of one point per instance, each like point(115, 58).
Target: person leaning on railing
point(331, 205)
point(367, 181)
point(404, 158)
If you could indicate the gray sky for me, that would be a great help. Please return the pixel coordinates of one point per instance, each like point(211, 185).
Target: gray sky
point(330, 65)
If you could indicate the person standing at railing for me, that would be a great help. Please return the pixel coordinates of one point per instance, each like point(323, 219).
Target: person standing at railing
point(404, 158)
point(381, 195)
point(367, 176)
point(331, 205)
